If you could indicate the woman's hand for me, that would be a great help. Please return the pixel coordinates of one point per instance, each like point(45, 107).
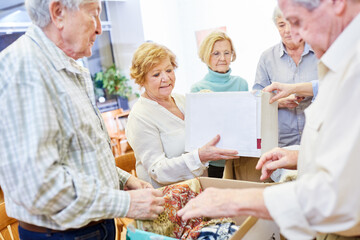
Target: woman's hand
point(209, 152)
point(276, 158)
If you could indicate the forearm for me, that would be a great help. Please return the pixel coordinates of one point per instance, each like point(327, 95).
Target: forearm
point(303, 89)
point(169, 170)
point(249, 201)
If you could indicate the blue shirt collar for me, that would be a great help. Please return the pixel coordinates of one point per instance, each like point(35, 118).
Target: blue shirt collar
point(283, 51)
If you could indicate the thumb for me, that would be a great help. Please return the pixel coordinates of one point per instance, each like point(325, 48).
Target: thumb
point(214, 141)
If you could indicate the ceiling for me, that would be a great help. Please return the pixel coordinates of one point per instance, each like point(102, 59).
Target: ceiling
point(10, 7)
point(10, 4)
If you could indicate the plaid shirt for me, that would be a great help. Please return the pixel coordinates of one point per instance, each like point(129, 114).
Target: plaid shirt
point(56, 165)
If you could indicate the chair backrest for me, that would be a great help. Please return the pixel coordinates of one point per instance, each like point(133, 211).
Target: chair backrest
point(126, 162)
point(8, 225)
point(111, 122)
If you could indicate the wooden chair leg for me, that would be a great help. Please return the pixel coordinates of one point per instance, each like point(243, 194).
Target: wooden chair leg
point(119, 228)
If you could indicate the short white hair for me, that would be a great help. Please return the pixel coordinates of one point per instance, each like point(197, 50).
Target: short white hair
point(308, 4)
point(38, 10)
point(277, 14)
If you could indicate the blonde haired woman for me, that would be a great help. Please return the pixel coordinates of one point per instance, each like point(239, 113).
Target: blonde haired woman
point(217, 52)
point(156, 127)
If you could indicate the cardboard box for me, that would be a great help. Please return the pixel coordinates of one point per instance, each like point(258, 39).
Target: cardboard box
point(250, 228)
point(245, 121)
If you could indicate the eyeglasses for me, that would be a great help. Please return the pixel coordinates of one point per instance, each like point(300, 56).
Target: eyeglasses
point(217, 54)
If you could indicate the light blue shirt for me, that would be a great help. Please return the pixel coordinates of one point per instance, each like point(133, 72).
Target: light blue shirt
point(275, 65)
point(220, 82)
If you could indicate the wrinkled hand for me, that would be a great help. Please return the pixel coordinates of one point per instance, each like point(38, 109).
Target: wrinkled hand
point(283, 90)
point(216, 203)
point(145, 204)
point(276, 158)
point(209, 152)
point(134, 183)
point(289, 102)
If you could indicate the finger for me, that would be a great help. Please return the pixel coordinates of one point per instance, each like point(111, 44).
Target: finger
point(263, 159)
point(157, 193)
point(151, 216)
point(214, 141)
point(271, 87)
point(276, 97)
point(266, 171)
point(159, 210)
point(272, 166)
point(228, 157)
point(160, 201)
point(148, 186)
point(193, 213)
point(265, 174)
point(226, 152)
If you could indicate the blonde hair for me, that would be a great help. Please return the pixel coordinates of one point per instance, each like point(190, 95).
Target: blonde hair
point(147, 56)
point(207, 45)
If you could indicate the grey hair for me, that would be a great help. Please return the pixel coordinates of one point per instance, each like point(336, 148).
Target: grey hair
point(308, 4)
point(38, 10)
point(277, 14)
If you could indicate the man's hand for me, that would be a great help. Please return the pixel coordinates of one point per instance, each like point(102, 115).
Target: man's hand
point(145, 204)
point(289, 102)
point(276, 158)
point(215, 203)
point(283, 90)
point(134, 183)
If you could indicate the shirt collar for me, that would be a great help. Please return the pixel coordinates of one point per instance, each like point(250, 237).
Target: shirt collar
point(283, 51)
point(59, 59)
point(339, 53)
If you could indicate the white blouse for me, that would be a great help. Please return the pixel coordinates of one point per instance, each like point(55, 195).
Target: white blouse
point(157, 137)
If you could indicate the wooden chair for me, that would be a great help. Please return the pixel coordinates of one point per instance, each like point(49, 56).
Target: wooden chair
point(116, 133)
point(8, 225)
point(126, 162)
point(1, 196)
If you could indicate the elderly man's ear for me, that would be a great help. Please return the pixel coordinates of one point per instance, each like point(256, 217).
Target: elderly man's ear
point(339, 6)
point(57, 13)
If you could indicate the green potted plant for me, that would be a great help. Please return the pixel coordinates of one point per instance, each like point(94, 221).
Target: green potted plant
point(114, 84)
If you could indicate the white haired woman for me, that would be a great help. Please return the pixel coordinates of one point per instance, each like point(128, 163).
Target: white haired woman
point(291, 61)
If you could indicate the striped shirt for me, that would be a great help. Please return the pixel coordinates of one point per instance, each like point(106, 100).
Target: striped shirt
point(56, 166)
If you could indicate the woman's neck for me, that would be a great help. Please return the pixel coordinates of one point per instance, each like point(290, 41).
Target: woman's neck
point(166, 101)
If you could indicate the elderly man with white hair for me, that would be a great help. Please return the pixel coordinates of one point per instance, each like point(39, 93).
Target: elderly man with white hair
point(57, 170)
point(326, 196)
